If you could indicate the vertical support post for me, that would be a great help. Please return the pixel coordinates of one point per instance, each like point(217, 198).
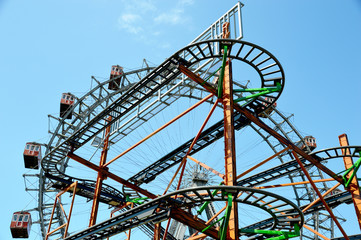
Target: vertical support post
point(57, 199)
point(100, 178)
point(354, 187)
point(75, 185)
point(229, 142)
point(157, 228)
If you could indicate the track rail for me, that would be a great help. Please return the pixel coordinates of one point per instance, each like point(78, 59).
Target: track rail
point(162, 208)
point(268, 68)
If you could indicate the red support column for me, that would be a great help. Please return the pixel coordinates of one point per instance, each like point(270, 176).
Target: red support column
point(229, 146)
point(100, 178)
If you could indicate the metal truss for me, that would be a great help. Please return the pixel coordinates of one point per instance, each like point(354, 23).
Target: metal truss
point(144, 93)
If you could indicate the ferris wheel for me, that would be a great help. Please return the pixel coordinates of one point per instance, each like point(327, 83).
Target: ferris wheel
point(148, 145)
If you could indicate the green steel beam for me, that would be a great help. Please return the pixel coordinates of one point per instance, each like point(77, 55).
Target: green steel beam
point(136, 200)
point(207, 202)
point(261, 92)
point(282, 234)
point(227, 214)
point(220, 81)
point(355, 168)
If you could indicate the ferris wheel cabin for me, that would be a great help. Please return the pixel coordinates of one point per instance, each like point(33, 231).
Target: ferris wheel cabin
point(32, 155)
point(269, 110)
point(66, 103)
point(20, 225)
point(310, 142)
point(115, 72)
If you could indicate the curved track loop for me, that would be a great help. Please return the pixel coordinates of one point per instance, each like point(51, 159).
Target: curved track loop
point(283, 212)
point(263, 62)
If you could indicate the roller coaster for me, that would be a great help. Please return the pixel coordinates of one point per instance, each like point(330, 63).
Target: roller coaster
point(163, 125)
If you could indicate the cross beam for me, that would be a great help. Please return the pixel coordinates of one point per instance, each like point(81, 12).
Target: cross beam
point(106, 172)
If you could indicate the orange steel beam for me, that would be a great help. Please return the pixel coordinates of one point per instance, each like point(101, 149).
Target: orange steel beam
point(209, 221)
point(206, 167)
point(157, 227)
point(323, 195)
point(296, 183)
point(261, 163)
point(175, 174)
point(105, 171)
point(181, 175)
point(129, 233)
point(71, 208)
point(193, 142)
point(190, 220)
point(262, 125)
point(202, 127)
point(354, 188)
point(315, 232)
point(100, 177)
point(166, 229)
point(57, 198)
point(229, 147)
point(200, 236)
point(120, 208)
point(159, 129)
point(320, 196)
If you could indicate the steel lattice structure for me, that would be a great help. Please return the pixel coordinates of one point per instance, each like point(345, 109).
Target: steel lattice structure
point(142, 96)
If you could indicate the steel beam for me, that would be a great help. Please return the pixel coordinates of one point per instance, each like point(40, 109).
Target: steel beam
point(100, 177)
point(354, 187)
point(229, 146)
point(111, 175)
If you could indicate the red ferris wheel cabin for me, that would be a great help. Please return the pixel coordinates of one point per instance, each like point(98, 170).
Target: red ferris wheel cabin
point(20, 225)
point(32, 155)
point(66, 103)
point(115, 72)
point(269, 110)
point(310, 142)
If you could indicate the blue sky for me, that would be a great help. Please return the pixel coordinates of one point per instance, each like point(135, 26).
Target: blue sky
point(51, 47)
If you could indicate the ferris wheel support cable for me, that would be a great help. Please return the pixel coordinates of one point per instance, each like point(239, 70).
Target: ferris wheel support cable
point(207, 137)
point(261, 163)
point(159, 129)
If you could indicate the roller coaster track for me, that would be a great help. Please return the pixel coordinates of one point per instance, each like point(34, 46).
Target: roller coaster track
point(160, 81)
point(165, 206)
point(54, 163)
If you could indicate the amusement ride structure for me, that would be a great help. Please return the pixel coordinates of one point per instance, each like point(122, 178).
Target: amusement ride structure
point(167, 152)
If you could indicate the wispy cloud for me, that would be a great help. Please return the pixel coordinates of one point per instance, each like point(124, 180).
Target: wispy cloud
point(175, 15)
point(130, 22)
point(132, 19)
point(147, 18)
